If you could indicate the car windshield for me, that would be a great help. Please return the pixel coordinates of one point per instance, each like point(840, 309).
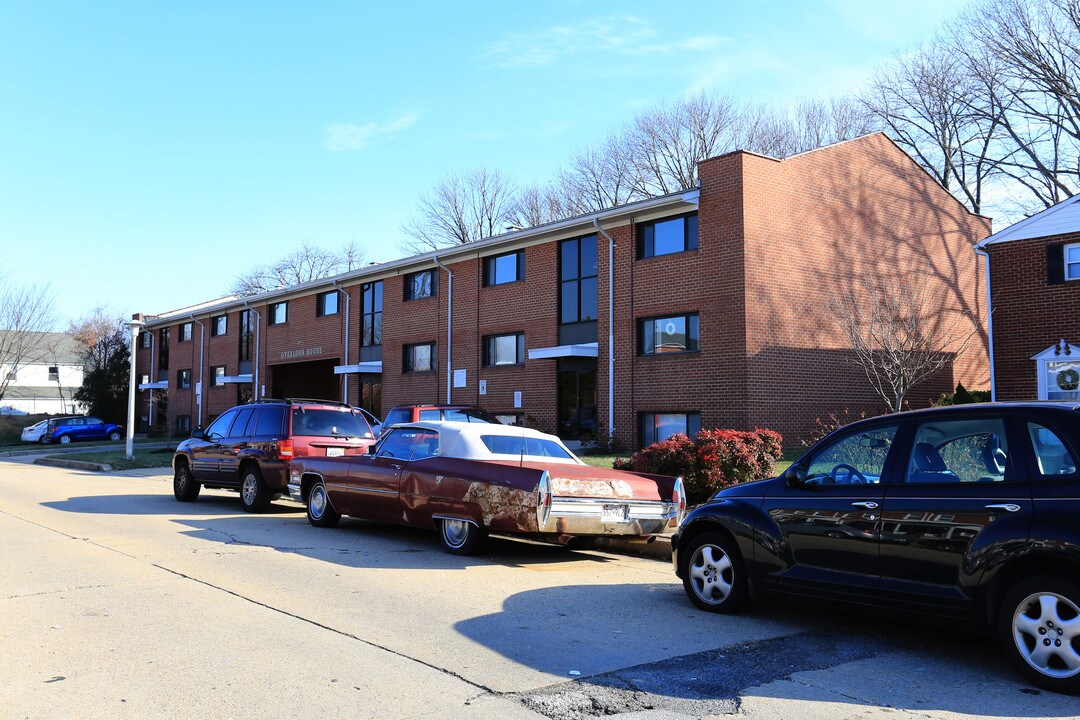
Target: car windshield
point(469, 415)
point(308, 422)
point(527, 446)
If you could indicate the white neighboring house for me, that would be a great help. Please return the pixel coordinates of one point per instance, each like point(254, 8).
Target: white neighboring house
point(46, 381)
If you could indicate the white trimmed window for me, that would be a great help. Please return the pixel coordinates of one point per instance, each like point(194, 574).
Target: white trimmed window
point(1072, 261)
point(1058, 370)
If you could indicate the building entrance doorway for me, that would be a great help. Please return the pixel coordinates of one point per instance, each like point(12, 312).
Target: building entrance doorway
point(577, 399)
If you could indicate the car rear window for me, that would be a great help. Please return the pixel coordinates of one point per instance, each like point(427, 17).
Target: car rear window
point(309, 422)
point(396, 416)
point(528, 446)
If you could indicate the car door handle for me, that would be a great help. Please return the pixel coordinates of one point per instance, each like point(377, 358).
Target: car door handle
point(396, 467)
point(1007, 507)
point(867, 505)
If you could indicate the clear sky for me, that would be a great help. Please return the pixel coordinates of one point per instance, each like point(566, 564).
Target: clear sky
point(150, 151)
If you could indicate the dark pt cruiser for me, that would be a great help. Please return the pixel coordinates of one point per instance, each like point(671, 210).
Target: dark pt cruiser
point(968, 513)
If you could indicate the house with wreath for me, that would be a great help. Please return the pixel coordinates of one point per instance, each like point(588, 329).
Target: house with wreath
point(1033, 284)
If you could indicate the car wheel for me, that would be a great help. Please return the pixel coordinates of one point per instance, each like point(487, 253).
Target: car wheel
point(713, 574)
point(320, 512)
point(1039, 626)
point(254, 495)
point(114, 435)
point(44, 440)
point(185, 487)
point(460, 537)
point(65, 439)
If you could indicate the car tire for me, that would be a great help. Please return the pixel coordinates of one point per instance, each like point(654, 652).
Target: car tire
point(460, 537)
point(65, 439)
point(185, 487)
point(44, 439)
point(713, 573)
point(114, 435)
point(320, 512)
point(1039, 627)
point(254, 495)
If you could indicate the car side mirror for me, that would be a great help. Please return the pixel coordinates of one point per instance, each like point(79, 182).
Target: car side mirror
point(795, 476)
point(198, 433)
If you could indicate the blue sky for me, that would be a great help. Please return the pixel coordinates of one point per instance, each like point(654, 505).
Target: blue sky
point(150, 151)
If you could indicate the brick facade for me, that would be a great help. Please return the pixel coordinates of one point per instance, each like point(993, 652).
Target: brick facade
point(775, 241)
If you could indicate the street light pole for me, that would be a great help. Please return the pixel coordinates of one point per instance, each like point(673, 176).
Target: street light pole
point(129, 449)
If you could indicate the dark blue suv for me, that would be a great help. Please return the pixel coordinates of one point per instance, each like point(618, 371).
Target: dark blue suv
point(64, 430)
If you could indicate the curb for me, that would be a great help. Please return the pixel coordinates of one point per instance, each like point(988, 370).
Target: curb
point(74, 464)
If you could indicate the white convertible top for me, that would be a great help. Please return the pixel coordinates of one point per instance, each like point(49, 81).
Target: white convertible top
point(465, 440)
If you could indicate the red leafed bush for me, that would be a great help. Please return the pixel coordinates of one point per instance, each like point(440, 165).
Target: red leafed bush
point(714, 459)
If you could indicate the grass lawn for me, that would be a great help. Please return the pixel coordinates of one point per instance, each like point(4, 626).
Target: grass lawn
point(115, 458)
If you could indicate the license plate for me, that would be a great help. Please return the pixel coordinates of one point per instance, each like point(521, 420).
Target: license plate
point(335, 452)
point(614, 513)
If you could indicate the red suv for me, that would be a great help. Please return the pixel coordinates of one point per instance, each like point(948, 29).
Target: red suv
point(455, 413)
point(248, 448)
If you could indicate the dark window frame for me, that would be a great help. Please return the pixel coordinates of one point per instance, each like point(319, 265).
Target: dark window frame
point(224, 330)
point(146, 340)
point(432, 285)
point(692, 322)
point(320, 303)
point(408, 359)
point(578, 280)
point(646, 240)
point(271, 313)
point(163, 349)
point(489, 342)
point(181, 383)
point(643, 435)
point(247, 333)
point(214, 375)
point(491, 262)
point(185, 331)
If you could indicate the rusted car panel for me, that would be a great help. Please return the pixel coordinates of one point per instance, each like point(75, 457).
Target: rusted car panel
point(427, 473)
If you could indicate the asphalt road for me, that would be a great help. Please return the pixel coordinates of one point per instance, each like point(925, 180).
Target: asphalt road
point(118, 602)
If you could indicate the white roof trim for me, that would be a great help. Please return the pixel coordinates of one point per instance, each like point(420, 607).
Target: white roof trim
point(1059, 351)
point(374, 366)
point(159, 385)
point(559, 351)
point(1028, 228)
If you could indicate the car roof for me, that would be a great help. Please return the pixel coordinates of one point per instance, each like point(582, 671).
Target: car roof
point(462, 439)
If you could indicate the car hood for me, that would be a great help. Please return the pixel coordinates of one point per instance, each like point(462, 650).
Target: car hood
point(594, 482)
point(755, 488)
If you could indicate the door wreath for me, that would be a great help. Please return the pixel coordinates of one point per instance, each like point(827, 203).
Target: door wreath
point(1068, 379)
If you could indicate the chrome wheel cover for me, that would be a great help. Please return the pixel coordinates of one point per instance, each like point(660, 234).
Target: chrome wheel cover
point(317, 502)
point(455, 532)
point(65, 440)
point(1046, 631)
point(250, 489)
point(711, 574)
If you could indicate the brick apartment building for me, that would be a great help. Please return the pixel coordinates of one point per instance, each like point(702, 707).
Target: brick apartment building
point(1034, 270)
point(706, 308)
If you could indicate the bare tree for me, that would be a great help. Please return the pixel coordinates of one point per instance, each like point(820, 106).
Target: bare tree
point(105, 384)
point(896, 336)
point(536, 205)
point(305, 264)
point(459, 210)
point(26, 315)
point(102, 334)
point(600, 176)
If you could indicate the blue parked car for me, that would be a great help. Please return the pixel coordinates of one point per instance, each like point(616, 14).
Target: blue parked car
point(64, 430)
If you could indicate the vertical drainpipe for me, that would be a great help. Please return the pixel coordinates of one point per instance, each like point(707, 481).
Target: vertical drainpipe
point(345, 358)
point(153, 378)
point(611, 329)
point(202, 388)
point(449, 331)
point(989, 321)
point(255, 363)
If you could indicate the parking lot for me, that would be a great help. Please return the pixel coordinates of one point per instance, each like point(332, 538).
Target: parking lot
point(120, 602)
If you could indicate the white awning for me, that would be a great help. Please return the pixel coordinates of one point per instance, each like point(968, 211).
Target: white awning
point(364, 367)
point(159, 385)
point(234, 379)
point(559, 351)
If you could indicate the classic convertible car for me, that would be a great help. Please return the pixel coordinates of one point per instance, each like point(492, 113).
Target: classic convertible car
point(468, 479)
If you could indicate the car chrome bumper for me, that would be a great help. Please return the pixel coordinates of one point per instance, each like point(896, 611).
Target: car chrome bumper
point(605, 516)
point(294, 489)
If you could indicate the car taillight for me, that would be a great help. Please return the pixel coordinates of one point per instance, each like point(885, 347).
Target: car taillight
point(285, 449)
point(678, 497)
point(543, 502)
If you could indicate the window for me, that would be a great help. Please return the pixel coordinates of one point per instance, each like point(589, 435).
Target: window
point(327, 303)
point(675, 334)
point(163, 349)
point(143, 379)
point(399, 443)
point(246, 332)
point(397, 415)
point(269, 421)
point(1051, 454)
point(13, 373)
point(420, 285)
point(371, 322)
point(183, 379)
point(855, 458)
point(54, 373)
point(427, 445)
point(664, 237)
point(278, 313)
point(310, 422)
point(419, 358)
point(220, 427)
point(508, 419)
point(1072, 261)
point(953, 451)
point(529, 446)
point(577, 275)
point(657, 427)
point(241, 427)
point(217, 376)
point(185, 332)
point(219, 325)
point(183, 424)
point(145, 339)
point(504, 350)
point(502, 269)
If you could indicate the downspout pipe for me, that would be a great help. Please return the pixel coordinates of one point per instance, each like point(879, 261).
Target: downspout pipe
point(449, 330)
point(611, 329)
point(153, 375)
point(201, 387)
point(255, 365)
point(980, 250)
point(345, 353)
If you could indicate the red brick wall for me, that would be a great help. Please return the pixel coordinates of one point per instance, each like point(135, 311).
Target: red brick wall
point(1029, 315)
